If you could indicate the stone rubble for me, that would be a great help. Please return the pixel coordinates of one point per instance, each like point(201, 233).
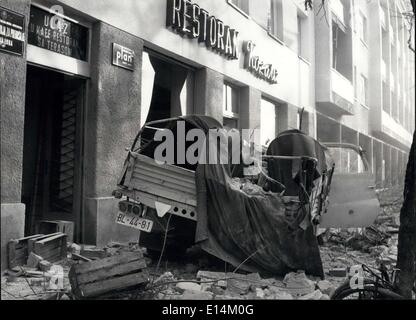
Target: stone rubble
point(198, 278)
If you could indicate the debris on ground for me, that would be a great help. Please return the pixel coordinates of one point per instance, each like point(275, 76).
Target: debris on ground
point(32, 275)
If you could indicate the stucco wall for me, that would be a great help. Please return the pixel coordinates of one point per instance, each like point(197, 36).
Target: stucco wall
point(12, 101)
point(113, 111)
point(133, 17)
point(112, 122)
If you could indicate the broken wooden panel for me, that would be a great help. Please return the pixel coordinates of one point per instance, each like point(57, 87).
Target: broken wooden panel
point(97, 277)
point(31, 241)
point(53, 226)
point(164, 180)
point(52, 248)
point(18, 251)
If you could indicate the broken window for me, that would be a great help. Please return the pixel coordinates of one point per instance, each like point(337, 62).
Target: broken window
point(342, 49)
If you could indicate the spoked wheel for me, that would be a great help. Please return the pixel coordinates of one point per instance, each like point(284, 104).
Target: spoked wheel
point(369, 291)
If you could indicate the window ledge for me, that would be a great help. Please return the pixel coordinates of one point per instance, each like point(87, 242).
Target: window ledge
point(304, 60)
point(230, 115)
point(271, 35)
point(238, 9)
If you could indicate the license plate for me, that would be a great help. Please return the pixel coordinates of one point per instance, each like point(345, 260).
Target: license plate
point(133, 221)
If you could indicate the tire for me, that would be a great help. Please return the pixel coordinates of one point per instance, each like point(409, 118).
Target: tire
point(370, 291)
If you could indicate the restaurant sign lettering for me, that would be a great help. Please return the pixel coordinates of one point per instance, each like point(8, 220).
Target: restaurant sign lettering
point(58, 35)
point(190, 20)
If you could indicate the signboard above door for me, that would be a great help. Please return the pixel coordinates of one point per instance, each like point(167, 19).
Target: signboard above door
point(12, 31)
point(57, 34)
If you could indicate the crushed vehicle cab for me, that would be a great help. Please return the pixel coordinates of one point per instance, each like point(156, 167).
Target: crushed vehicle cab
point(297, 191)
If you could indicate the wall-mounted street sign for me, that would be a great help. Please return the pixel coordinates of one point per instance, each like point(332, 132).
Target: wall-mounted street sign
point(12, 31)
point(57, 34)
point(123, 57)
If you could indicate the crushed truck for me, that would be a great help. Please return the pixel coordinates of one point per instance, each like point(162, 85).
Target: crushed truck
point(265, 222)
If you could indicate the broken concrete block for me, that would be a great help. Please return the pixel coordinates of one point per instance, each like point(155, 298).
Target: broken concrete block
point(260, 293)
point(282, 295)
point(196, 295)
point(297, 284)
point(238, 286)
point(190, 286)
point(326, 287)
point(338, 272)
point(325, 297)
point(44, 265)
point(315, 295)
point(75, 248)
point(33, 260)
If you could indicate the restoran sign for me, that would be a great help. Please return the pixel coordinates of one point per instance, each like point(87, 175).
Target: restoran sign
point(190, 20)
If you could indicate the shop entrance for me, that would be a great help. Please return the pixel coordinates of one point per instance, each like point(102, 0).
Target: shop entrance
point(52, 167)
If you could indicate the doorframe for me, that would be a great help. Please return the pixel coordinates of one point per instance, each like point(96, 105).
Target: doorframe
point(79, 176)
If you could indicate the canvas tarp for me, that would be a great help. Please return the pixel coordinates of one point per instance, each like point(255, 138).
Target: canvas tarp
point(247, 226)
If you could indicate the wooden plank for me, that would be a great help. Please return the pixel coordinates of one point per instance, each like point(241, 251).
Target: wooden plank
point(31, 242)
point(142, 158)
point(100, 287)
point(26, 238)
point(108, 262)
point(41, 247)
point(17, 250)
point(163, 184)
point(46, 253)
point(114, 271)
point(160, 172)
point(52, 237)
point(164, 180)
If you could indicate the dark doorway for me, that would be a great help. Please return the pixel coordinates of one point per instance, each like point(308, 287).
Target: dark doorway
point(52, 167)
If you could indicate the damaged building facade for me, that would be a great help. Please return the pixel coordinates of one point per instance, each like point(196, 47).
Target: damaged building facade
point(79, 78)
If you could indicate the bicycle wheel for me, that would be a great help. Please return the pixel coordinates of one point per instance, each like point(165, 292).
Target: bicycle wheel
point(369, 291)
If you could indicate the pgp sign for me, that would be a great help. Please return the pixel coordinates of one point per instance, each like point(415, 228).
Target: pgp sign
point(123, 57)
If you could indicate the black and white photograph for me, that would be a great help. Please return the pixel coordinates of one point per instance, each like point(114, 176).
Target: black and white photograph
point(208, 156)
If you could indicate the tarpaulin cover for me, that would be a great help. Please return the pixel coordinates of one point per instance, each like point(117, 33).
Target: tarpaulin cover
point(250, 229)
point(246, 227)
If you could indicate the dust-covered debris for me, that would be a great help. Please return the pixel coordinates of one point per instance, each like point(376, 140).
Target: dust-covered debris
point(200, 276)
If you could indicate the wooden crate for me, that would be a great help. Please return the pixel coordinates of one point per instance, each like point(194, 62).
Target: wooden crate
point(52, 248)
point(18, 251)
point(94, 278)
point(52, 226)
point(31, 242)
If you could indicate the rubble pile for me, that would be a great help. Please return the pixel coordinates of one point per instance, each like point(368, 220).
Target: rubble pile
point(47, 267)
point(224, 286)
